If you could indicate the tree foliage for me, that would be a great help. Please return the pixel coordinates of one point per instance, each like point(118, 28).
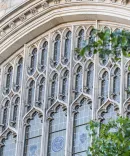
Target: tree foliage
point(113, 139)
point(108, 43)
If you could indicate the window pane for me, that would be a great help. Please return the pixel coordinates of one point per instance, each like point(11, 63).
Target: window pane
point(56, 50)
point(67, 47)
point(81, 139)
point(110, 114)
point(116, 85)
point(90, 72)
point(104, 87)
point(57, 134)
point(9, 146)
point(78, 81)
point(33, 137)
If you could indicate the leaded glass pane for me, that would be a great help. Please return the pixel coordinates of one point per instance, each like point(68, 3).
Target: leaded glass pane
point(31, 91)
point(116, 85)
point(33, 135)
point(107, 46)
point(5, 116)
point(65, 85)
point(15, 111)
point(81, 139)
point(41, 92)
point(9, 146)
point(54, 88)
point(57, 134)
point(44, 55)
point(56, 54)
point(91, 40)
point(81, 42)
point(89, 85)
point(19, 73)
point(78, 81)
point(33, 60)
point(9, 79)
point(110, 114)
point(67, 47)
point(104, 87)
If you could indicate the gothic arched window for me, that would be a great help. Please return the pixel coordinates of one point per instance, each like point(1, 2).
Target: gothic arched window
point(81, 139)
point(33, 60)
point(128, 85)
point(57, 133)
point(31, 90)
point(91, 40)
point(65, 85)
point(33, 135)
point(9, 79)
point(5, 115)
point(118, 48)
point(104, 87)
point(54, 88)
point(80, 41)
point(56, 50)
point(109, 114)
point(19, 73)
point(104, 57)
point(41, 91)
point(67, 48)
point(8, 147)
point(44, 55)
point(89, 83)
point(116, 85)
point(78, 81)
point(15, 111)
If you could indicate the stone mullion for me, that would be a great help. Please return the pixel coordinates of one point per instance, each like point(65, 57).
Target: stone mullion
point(45, 128)
point(69, 126)
point(122, 95)
point(95, 84)
point(20, 128)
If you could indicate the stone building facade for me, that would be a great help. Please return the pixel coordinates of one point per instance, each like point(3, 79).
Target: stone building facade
point(47, 91)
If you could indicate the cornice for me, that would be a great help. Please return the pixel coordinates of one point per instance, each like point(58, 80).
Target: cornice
point(34, 14)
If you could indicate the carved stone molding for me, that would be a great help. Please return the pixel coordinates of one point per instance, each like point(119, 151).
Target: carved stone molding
point(22, 17)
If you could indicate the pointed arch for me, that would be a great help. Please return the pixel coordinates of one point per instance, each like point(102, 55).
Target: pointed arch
point(116, 84)
point(14, 111)
point(30, 94)
point(33, 135)
point(8, 144)
point(83, 114)
point(64, 84)
point(104, 87)
point(33, 60)
point(56, 50)
point(57, 132)
point(53, 88)
point(19, 69)
point(43, 55)
point(67, 47)
point(40, 91)
point(89, 73)
point(78, 80)
point(9, 77)
point(108, 111)
point(5, 114)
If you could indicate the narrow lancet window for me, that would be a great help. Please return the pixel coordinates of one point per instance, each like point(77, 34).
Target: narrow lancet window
point(67, 48)
point(104, 87)
point(78, 81)
point(56, 54)
point(19, 73)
